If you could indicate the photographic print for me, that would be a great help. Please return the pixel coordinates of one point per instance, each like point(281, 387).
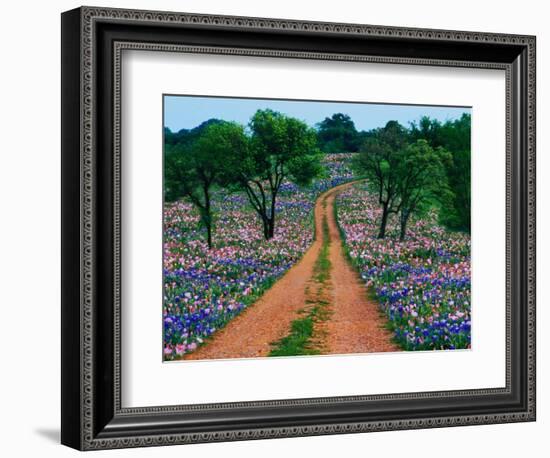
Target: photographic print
point(303, 228)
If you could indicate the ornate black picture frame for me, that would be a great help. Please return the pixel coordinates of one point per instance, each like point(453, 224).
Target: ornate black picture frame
point(92, 42)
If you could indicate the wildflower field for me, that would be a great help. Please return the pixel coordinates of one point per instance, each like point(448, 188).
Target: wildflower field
point(246, 182)
point(422, 283)
point(205, 288)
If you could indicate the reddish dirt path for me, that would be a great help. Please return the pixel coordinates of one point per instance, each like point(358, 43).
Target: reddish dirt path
point(356, 325)
point(353, 327)
point(250, 334)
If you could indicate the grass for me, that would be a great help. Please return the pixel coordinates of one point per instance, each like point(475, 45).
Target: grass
point(322, 264)
point(295, 343)
point(298, 341)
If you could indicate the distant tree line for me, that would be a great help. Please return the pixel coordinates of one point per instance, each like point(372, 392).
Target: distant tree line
point(410, 169)
point(454, 137)
point(338, 134)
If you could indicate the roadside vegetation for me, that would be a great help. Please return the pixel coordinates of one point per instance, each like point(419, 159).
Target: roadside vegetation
point(238, 213)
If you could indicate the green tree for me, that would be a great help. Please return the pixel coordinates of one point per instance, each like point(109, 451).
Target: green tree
point(281, 148)
point(186, 137)
point(421, 179)
point(379, 161)
point(338, 134)
point(455, 137)
point(191, 170)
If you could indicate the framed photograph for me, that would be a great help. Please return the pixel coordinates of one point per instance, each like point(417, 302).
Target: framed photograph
point(276, 228)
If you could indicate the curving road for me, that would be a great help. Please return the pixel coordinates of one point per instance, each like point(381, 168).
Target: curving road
point(354, 324)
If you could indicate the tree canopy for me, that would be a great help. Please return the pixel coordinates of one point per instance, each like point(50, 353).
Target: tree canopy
point(192, 169)
point(186, 137)
point(280, 148)
point(405, 174)
point(421, 179)
point(338, 134)
point(379, 160)
point(453, 136)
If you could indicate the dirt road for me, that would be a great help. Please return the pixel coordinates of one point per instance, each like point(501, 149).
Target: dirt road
point(354, 324)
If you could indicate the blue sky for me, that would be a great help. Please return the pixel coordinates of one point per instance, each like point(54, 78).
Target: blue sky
point(186, 112)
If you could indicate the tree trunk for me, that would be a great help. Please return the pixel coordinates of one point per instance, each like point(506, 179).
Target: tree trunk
point(271, 224)
point(207, 217)
point(265, 225)
point(271, 228)
point(266, 214)
point(271, 219)
point(384, 222)
point(209, 235)
point(404, 220)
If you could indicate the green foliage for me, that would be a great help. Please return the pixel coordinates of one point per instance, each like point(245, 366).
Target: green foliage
point(410, 170)
point(186, 137)
point(283, 147)
point(193, 168)
point(455, 137)
point(414, 169)
point(379, 160)
point(421, 178)
point(280, 148)
point(338, 134)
